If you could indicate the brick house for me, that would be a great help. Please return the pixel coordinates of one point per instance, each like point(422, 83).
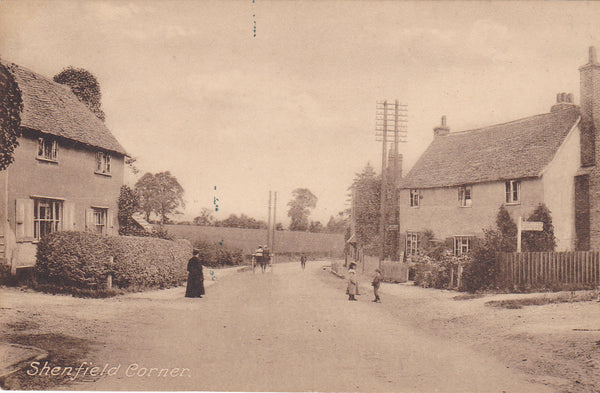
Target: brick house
point(67, 170)
point(460, 181)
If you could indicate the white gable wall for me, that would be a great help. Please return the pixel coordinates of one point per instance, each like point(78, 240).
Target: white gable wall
point(559, 189)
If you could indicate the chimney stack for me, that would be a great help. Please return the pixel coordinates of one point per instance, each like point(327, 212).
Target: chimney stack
point(590, 108)
point(443, 129)
point(563, 101)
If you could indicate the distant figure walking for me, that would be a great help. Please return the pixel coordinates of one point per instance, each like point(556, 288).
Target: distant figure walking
point(195, 282)
point(303, 261)
point(352, 289)
point(376, 283)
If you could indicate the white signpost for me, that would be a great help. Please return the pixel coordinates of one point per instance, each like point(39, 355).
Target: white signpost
point(527, 226)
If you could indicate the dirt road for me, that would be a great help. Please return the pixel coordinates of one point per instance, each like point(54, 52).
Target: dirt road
point(289, 330)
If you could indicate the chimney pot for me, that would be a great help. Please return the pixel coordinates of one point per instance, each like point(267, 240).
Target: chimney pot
point(558, 98)
point(442, 129)
point(570, 98)
point(592, 55)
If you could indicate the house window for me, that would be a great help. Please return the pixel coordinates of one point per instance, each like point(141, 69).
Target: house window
point(462, 245)
point(47, 149)
point(513, 191)
point(412, 243)
point(102, 163)
point(415, 197)
point(100, 215)
point(47, 217)
point(464, 196)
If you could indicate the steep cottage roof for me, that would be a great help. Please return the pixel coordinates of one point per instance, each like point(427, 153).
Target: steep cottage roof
point(518, 149)
point(52, 108)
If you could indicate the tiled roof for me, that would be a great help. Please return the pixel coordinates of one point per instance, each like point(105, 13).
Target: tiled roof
point(519, 149)
point(52, 108)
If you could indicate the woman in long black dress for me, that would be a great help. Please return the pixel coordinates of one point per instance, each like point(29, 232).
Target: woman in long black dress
point(195, 282)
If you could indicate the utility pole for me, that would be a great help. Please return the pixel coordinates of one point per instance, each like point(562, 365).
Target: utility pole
point(269, 223)
point(272, 247)
point(383, 194)
point(383, 124)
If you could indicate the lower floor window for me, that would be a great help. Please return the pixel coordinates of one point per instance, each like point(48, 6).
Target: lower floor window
point(100, 219)
point(412, 243)
point(47, 217)
point(462, 245)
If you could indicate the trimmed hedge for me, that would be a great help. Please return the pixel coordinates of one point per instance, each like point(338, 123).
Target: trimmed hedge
point(149, 262)
point(217, 255)
point(83, 260)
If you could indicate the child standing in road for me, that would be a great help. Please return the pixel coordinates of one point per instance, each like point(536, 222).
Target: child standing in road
point(352, 289)
point(376, 283)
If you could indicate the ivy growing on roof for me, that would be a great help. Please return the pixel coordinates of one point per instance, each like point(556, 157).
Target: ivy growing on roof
point(11, 106)
point(84, 85)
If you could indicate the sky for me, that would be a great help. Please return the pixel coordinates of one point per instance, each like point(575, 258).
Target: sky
point(236, 98)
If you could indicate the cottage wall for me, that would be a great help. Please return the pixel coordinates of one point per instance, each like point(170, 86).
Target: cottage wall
point(559, 190)
point(440, 211)
point(72, 178)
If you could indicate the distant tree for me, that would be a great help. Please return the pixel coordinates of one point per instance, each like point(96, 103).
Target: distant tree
point(300, 206)
point(316, 227)
point(129, 203)
point(11, 106)
point(339, 223)
point(146, 188)
point(205, 218)
point(84, 85)
point(243, 221)
point(161, 194)
point(539, 241)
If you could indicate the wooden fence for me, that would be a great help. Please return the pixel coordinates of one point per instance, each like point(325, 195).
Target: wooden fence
point(549, 270)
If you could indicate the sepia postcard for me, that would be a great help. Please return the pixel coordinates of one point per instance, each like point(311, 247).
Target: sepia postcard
point(299, 196)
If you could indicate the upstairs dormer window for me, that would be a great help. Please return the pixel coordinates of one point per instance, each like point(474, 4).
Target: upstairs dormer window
point(464, 196)
point(415, 197)
point(47, 149)
point(103, 163)
point(513, 192)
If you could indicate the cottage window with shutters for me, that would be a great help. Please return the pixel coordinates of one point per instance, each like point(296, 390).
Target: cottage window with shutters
point(103, 163)
point(47, 217)
point(100, 217)
point(47, 149)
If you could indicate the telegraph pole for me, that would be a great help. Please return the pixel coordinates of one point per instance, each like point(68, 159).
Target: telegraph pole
point(272, 247)
point(382, 126)
point(269, 223)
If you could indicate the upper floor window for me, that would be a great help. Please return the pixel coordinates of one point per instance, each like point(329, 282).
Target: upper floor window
point(513, 191)
point(462, 245)
point(102, 162)
point(47, 216)
point(47, 149)
point(464, 196)
point(412, 243)
point(415, 197)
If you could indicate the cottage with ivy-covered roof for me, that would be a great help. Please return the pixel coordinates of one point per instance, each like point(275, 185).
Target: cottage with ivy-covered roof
point(458, 184)
point(67, 169)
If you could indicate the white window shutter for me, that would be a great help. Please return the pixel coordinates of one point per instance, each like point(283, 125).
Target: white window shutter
point(89, 219)
point(24, 218)
point(68, 216)
point(110, 223)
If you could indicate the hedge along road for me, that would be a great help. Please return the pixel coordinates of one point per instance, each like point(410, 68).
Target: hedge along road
point(287, 330)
